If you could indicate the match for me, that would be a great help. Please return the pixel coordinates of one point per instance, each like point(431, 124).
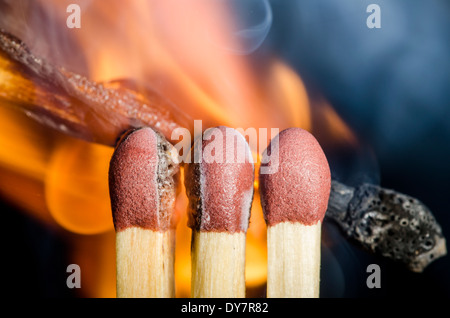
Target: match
point(143, 180)
point(220, 196)
point(294, 199)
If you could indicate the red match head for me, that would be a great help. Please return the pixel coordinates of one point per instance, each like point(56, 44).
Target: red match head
point(220, 187)
point(298, 188)
point(143, 177)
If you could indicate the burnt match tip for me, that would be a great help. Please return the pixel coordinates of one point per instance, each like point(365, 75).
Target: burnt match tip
point(143, 179)
point(219, 184)
point(295, 187)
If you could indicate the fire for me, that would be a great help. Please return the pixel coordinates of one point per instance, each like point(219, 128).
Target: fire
point(23, 160)
point(166, 45)
point(76, 189)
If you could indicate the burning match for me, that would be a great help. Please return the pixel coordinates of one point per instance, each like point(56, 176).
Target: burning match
point(377, 108)
point(220, 197)
point(294, 200)
point(143, 179)
point(49, 92)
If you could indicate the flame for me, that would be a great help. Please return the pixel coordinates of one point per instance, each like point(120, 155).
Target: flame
point(167, 45)
point(24, 150)
point(76, 191)
point(337, 131)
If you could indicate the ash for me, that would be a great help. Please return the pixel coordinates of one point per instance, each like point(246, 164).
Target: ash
point(168, 170)
point(389, 223)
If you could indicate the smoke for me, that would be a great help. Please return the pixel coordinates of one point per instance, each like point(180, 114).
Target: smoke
point(41, 25)
point(390, 84)
point(253, 21)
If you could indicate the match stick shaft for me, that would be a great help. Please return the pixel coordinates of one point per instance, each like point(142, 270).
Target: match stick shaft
point(75, 105)
point(218, 265)
point(145, 263)
point(293, 260)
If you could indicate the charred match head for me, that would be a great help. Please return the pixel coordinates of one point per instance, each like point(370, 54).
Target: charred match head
point(299, 187)
point(220, 187)
point(143, 179)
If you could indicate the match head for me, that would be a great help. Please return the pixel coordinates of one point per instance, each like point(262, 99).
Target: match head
point(299, 187)
point(143, 180)
point(220, 185)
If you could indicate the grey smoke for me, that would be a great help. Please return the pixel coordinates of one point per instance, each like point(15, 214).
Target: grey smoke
point(391, 84)
point(253, 21)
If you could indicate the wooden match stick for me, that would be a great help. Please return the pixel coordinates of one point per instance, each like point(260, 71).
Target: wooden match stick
point(294, 197)
point(220, 198)
point(143, 179)
point(103, 110)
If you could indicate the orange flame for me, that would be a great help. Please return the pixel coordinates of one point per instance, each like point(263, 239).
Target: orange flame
point(76, 189)
point(165, 44)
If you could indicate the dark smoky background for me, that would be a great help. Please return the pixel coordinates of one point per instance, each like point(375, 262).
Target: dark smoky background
point(392, 87)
